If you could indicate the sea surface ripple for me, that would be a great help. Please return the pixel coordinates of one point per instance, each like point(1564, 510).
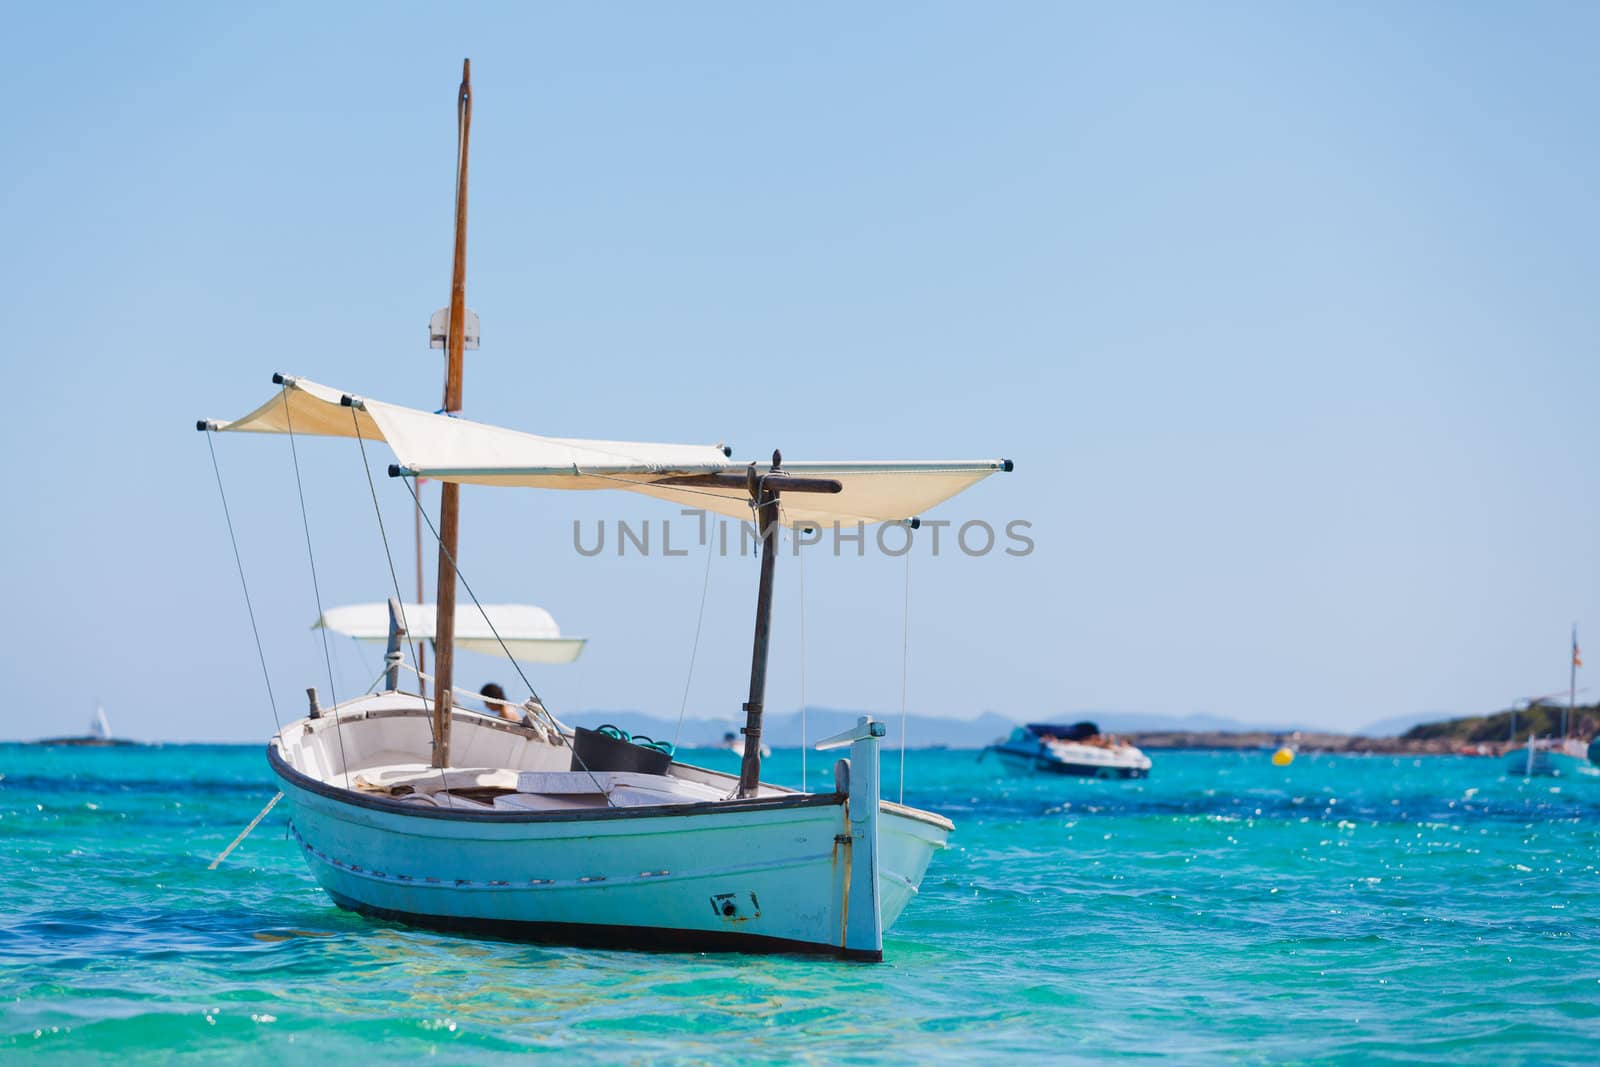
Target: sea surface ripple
point(1342, 909)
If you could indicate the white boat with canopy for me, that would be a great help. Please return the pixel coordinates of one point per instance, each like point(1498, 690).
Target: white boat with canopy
point(522, 631)
point(410, 807)
point(1554, 756)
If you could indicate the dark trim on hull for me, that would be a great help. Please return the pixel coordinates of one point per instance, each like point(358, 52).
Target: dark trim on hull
point(292, 776)
point(305, 782)
point(587, 935)
point(1084, 770)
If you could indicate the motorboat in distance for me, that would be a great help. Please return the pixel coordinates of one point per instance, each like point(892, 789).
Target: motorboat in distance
point(1079, 749)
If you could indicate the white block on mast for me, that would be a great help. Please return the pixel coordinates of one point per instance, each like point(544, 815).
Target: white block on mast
point(439, 329)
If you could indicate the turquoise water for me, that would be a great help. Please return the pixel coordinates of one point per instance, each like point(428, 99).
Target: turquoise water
point(1341, 909)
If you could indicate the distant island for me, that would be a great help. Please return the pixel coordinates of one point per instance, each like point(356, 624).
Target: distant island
point(83, 742)
point(1473, 734)
point(1485, 735)
point(1476, 735)
point(99, 735)
point(783, 729)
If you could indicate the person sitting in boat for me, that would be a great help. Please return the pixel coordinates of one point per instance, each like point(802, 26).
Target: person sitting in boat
point(495, 698)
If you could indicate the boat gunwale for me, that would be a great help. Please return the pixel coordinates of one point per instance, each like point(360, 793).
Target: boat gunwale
point(294, 776)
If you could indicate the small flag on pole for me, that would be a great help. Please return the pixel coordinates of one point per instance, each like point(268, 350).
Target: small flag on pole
point(1577, 653)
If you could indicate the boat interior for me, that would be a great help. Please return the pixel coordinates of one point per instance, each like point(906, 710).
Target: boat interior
point(381, 744)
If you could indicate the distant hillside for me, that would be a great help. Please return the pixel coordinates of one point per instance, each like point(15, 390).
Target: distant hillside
point(1146, 730)
point(782, 729)
point(1127, 722)
point(1396, 725)
point(1543, 720)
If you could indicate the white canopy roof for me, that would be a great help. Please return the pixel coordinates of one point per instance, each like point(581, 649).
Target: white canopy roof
point(530, 632)
point(457, 450)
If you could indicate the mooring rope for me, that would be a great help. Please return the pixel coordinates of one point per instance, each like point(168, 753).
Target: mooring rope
point(246, 831)
point(504, 648)
point(694, 649)
point(248, 606)
point(316, 589)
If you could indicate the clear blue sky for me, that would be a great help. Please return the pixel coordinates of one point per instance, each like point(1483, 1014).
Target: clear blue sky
point(1287, 314)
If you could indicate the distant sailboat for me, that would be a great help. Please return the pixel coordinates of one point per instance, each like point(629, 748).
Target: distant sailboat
point(99, 735)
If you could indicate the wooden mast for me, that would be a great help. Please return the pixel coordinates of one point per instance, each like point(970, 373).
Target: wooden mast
point(450, 492)
point(766, 506)
point(764, 490)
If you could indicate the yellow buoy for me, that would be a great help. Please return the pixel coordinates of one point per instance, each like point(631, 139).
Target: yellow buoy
point(1283, 757)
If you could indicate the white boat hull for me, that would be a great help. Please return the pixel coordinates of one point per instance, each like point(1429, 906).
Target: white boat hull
point(1023, 764)
point(781, 872)
point(1027, 753)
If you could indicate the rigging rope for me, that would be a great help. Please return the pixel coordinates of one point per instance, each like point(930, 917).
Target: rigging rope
point(905, 663)
point(316, 589)
point(530, 722)
point(400, 599)
point(636, 484)
point(694, 650)
point(338, 662)
point(249, 607)
point(799, 552)
point(515, 665)
point(388, 555)
point(361, 654)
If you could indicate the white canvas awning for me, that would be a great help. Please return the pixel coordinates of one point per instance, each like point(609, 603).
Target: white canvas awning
point(530, 632)
point(457, 450)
